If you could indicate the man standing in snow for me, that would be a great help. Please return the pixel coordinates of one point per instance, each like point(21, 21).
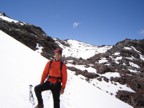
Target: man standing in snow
point(55, 74)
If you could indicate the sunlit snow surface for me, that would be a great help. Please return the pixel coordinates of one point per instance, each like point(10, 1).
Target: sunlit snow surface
point(20, 67)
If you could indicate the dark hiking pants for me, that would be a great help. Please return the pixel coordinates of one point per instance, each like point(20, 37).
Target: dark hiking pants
point(55, 89)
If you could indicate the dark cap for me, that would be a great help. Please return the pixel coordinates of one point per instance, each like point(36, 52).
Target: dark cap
point(58, 50)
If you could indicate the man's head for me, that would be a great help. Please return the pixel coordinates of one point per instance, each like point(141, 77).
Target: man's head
point(58, 50)
point(58, 53)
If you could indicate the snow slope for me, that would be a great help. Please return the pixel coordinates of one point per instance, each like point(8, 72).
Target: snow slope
point(79, 49)
point(20, 67)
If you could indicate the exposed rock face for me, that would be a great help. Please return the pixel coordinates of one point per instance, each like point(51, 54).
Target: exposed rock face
point(126, 58)
point(134, 99)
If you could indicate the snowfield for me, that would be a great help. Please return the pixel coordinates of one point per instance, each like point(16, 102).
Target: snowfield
point(20, 67)
point(79, 49)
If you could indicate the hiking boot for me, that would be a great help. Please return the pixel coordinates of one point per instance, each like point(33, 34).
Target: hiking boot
point(39, 106)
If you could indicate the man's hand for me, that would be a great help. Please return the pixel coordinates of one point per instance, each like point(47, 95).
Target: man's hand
point(61, 91)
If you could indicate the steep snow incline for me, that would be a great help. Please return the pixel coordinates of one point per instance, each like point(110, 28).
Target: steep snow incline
point(108, 86)
point(20, 66)
point(84, 95)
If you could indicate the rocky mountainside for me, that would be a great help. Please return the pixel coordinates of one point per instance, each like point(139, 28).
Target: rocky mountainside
point(126, 58)
point(30, 35)
point(123, 62)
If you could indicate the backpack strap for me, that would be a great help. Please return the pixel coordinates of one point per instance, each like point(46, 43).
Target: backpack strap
point(49, 66)
point(61, 65)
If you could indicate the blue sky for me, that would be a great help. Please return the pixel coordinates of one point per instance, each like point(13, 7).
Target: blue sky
point(99, 22)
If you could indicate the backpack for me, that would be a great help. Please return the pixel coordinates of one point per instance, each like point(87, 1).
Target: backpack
point(61, 65)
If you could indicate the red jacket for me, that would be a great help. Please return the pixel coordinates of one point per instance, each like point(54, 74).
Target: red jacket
point(55, 71)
